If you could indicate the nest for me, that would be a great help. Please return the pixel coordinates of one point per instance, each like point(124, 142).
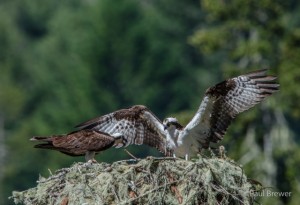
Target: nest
point(147, 181)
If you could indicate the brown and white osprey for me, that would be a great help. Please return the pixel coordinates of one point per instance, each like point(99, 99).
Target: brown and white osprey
point(220, 105)
point(79, 143)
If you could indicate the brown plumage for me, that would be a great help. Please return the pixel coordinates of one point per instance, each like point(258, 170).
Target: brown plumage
point(78, 143)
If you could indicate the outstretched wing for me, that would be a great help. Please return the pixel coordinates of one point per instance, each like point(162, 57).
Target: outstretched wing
point(224, 101)
point(76, 143)
point(137, 124)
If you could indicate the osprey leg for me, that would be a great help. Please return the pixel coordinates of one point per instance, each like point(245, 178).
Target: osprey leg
point(89, 155)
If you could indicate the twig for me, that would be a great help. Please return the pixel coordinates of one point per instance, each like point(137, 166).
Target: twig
point(130, 154)
point(50, 172)
point(221, 189)
point(164, 158)
point(165, 187)
point(115, 193)
point(128, 160)
point(174, 189)
point(52, 177)
point(150, 191)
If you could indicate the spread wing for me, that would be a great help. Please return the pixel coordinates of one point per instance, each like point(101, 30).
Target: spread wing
point(76, 143)
point(137, 124)
point(224, 101)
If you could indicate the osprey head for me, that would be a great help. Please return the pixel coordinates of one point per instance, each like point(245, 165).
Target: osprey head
point(171, 122)
point(120, 140)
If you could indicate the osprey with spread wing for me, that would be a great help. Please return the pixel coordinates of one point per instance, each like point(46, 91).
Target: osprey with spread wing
point(220, 105)
point(138, 125)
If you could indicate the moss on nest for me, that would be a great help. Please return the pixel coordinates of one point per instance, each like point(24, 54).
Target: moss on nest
point(151, 180)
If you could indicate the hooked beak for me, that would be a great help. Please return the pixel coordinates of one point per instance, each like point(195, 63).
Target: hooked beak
point(165, 127)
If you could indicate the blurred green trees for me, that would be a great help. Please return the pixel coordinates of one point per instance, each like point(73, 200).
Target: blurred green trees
point(65, 62)
point(260, 34)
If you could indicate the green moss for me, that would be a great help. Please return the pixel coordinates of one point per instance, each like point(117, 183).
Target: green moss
point(156, 180)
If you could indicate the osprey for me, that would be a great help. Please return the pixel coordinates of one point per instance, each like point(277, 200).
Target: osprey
point(220, 105)
point(78, 143)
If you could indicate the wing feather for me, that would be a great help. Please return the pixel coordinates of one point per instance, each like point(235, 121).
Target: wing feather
point(224, 101)
point(137, 124)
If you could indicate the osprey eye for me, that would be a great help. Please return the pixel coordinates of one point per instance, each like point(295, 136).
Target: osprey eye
point(168, 124)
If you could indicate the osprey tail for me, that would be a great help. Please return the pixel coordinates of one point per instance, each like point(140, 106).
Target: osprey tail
point(43, 139)
point(48, 142)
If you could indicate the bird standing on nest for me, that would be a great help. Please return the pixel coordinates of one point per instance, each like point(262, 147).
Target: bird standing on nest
point(80, 143)
point(138, 125)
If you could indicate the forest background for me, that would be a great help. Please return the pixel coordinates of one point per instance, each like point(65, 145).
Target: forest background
point(64, 62)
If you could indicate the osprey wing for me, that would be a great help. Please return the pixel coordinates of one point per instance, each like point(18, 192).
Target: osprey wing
point(137, 124)
point(224, 101)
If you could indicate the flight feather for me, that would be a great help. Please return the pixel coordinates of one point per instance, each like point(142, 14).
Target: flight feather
point(137, 124)
point(224, 101)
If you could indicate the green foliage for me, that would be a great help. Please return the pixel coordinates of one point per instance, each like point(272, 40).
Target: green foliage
point(251, 35)
point(65, 62)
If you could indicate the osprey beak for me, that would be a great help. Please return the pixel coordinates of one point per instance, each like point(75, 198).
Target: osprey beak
point(165, 127)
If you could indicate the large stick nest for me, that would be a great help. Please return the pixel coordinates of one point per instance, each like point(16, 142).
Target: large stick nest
point(147, 181)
